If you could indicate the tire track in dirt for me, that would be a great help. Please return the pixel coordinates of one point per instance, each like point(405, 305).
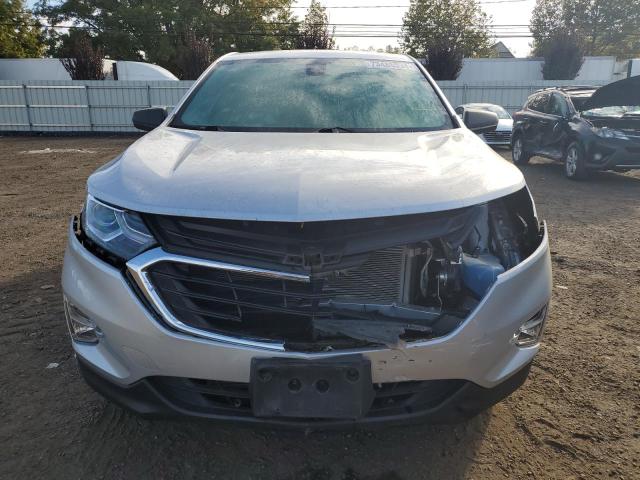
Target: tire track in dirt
point(577, 416)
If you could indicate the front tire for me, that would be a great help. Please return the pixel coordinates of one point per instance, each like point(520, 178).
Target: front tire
point(518, 154)
point(574, 167)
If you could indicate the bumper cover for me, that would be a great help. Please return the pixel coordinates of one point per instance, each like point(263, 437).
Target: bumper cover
point(136, 345)
point(146, 399)
point(613, 153)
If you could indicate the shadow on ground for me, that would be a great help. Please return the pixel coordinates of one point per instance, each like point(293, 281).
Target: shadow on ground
point(79, 435)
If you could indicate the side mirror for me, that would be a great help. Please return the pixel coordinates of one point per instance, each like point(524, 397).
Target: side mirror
point(149, 118)
point(480, 121)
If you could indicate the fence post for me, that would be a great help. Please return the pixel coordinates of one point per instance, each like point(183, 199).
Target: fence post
point(86, 95)
point(26, 106)
point(149, 95)
point(464, 93)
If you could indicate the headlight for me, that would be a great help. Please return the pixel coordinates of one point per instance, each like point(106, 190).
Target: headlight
point(606, 132)
point(118, 231)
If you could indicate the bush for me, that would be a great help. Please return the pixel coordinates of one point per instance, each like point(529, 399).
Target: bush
point(563, 57)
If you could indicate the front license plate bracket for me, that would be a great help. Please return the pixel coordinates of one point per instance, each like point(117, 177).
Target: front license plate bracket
point(337, 388)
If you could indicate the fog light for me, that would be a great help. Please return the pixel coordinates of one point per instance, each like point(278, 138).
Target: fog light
point(530, 331)
point(81, 327)
point(597, 157)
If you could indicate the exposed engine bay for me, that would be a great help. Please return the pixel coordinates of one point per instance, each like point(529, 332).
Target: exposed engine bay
point(443, 281)
point(382, 281)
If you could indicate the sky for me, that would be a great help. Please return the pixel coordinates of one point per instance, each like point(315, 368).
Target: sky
point(390, 13)
point(503, 12)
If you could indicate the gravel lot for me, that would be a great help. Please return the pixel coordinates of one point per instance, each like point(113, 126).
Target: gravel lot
point(578, 416)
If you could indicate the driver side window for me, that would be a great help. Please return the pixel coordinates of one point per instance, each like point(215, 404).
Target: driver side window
point(558, 106)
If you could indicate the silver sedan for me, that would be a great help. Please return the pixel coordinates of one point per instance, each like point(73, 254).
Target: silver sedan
point(501, 136)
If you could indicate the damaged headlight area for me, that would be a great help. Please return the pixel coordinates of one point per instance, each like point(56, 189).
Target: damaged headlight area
point(116, 234)
point(329, 285)
point(606, 132)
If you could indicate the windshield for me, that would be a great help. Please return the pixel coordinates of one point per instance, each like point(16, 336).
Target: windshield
point(314, 94)
point(614, 111)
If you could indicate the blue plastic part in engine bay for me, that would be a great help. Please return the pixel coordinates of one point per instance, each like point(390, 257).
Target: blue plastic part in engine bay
point(479, 273)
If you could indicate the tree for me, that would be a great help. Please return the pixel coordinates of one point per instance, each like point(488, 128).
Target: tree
point(161, 31)
point(314, 31)
point(563, 57)
point(20, 33)
point(194, 57)
point(82, 60)
point(605, 27)
point(445, 31)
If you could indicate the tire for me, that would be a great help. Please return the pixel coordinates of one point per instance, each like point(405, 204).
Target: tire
point(518, 154)
point(574, 167)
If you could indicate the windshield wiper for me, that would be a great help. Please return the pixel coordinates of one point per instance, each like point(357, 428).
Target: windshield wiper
point(334, 130)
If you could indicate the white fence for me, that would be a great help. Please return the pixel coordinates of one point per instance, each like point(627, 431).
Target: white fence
point(511, 95)
point(81, 106)
point(107, 106)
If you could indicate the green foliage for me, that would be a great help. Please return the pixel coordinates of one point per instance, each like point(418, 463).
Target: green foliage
point(20, 33)
point(194, 56)
point(445, 31)
point(314, 30)
point(605, 27)
point(163, 32)
point(563, 57)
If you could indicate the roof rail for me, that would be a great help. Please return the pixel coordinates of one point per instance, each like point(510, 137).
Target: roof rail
point(569, 88)
point(578, 87)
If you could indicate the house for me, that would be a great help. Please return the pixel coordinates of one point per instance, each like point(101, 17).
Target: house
point(501, 50)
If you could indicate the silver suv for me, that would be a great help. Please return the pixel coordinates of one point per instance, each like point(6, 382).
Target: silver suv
point(312, 239)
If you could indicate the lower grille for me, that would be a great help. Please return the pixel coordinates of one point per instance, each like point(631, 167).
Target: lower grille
point(233, 398)
point(264, 308)
point(497, 137)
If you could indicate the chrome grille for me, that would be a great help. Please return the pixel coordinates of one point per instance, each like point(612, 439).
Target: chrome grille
point(249, 305)
point(497, 137)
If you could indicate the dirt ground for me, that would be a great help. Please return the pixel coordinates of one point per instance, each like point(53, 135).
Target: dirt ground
point(578, 415)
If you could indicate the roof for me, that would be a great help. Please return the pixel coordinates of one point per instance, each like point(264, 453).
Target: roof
point(572, 90)
point(502, 50)
point(478, 104)
point(317, 54)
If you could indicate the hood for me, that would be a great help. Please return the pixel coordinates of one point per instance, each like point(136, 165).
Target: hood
point(620, 93)
point(303, 176)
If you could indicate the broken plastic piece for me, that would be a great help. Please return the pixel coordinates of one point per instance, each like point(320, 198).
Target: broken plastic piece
point(382, 332)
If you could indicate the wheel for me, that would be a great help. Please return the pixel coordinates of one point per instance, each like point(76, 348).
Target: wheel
point(518, 154)
point(574, 167)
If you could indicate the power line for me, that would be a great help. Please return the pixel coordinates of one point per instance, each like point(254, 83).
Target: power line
point(340, 7)
point(335, 7)
point(329, 24)
point(338, 34)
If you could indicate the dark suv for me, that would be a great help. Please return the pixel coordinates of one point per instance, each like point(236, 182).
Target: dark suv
point(588, 128)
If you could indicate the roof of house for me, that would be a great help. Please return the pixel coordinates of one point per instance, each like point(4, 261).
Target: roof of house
point(502, 50)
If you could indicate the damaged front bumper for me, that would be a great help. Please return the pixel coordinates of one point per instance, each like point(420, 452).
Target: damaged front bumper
point(136, 349)
point(429, 401)
point(614, 153)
